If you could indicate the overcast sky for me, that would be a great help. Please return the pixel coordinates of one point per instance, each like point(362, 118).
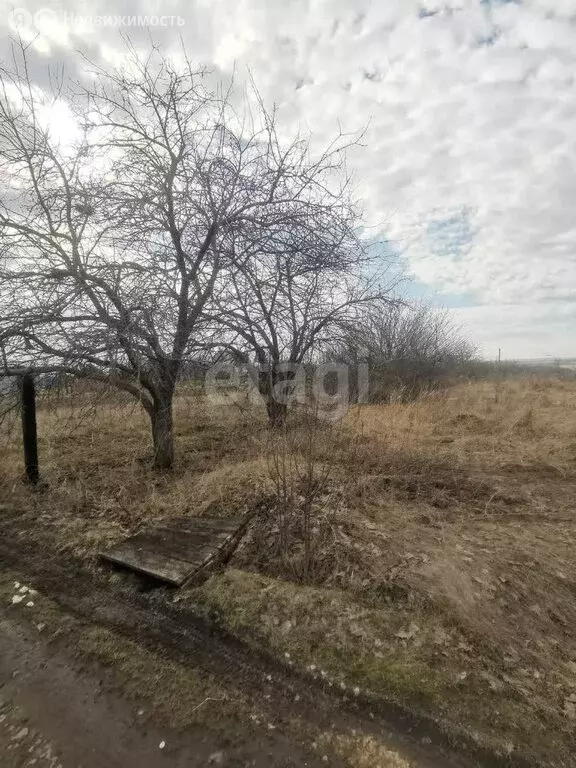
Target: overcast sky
point(468, 168)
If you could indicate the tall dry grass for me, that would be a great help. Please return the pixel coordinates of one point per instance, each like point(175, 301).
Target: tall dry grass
point(442, 530)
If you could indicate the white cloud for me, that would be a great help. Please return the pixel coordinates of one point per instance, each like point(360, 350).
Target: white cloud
point(472, 108)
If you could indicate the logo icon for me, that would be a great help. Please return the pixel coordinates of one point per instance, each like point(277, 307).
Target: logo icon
point(20, 19)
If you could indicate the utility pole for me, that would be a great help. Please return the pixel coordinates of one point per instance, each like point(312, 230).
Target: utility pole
point(499, 356)
point(29, 434)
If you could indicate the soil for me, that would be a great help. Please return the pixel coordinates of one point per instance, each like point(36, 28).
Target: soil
point(76, 718)
point(53, 716)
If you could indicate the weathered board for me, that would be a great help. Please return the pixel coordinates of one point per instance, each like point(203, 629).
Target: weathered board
point(177, 549)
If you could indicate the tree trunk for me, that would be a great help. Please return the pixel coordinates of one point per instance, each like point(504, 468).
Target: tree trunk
point(271, 384)
point(163, 434)
point(277, 411)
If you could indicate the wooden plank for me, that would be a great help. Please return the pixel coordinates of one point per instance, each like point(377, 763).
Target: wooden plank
point(165, 568)
point(201, 523)
point(189, 545)
point(174, 550)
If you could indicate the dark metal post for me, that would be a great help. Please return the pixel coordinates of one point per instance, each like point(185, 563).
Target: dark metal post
point(28, 394)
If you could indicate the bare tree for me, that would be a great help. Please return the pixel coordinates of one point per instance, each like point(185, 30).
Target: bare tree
point(302, 282)
point(109, 255)
point(114, 245)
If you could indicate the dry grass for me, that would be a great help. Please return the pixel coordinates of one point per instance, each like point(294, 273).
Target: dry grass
point(359, 750)
point(445, 534)
point(96, 464)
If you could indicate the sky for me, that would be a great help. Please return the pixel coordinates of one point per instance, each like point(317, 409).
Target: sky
point(467, 167)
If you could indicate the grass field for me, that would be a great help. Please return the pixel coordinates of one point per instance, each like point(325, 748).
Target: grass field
point(423, 553)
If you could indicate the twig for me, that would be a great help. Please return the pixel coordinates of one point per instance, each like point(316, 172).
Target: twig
point(204, 702)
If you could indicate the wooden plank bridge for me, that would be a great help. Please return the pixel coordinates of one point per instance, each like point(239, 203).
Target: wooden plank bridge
point(177, 549)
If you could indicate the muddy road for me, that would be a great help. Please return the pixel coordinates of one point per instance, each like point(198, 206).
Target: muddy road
point(54, 715)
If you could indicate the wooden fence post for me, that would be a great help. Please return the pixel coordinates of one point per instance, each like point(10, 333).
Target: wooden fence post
point(29, 436)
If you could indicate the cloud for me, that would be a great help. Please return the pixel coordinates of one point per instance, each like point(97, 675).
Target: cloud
point(469, 165)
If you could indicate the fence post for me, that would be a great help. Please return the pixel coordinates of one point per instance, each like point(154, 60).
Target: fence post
point(29, 436)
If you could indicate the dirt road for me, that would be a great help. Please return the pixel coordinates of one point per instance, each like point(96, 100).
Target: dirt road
point(52, 716)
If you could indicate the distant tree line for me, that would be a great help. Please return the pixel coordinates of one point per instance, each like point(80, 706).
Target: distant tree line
point(409, 349)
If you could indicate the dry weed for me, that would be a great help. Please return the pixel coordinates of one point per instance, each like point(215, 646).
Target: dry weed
point(452, 514)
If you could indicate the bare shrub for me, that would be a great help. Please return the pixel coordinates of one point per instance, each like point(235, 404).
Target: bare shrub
point(301, 477)
point(302, 531)
point(409, 350)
